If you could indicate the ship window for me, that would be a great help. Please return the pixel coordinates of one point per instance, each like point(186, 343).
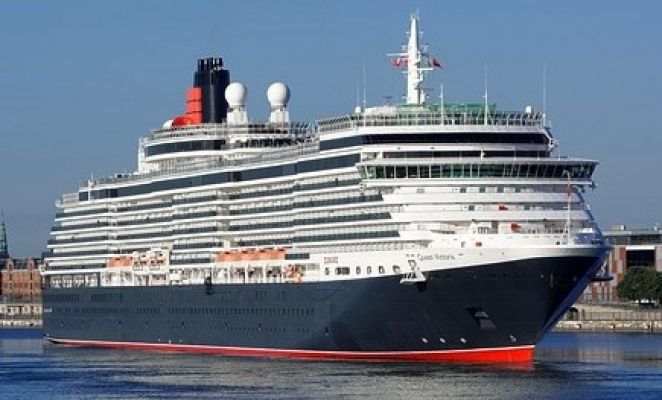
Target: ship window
point(379, 172)
point(197, 145)
point(435, 171)
point(358, 270)
point(390, 172)
point(485, 171)
point(327, 271)
point(381, 269)
point(400, 172)
point(498, 170)
point(523, 170)
point(368, 270)
point(424, 171)
point(342, 270)
point(533, 170)
point(412, 171)
point(457, 171)
point(396, 269)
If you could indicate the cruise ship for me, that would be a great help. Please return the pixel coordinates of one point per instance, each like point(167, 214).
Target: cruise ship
point(423, 231)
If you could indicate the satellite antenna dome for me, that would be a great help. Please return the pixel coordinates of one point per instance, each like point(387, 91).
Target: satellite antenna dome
point(528, 110)
point(278, 94)
point(167, 124)
point(235, 94)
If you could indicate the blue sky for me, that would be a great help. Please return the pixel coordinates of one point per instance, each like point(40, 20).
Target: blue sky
point(81, 81)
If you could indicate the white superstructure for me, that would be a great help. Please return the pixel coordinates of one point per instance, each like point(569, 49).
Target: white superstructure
point(387, 190)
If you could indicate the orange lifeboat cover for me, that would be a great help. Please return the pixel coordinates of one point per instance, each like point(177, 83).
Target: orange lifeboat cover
point(182, 121)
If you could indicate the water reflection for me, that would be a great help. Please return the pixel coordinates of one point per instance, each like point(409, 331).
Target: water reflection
point(585, 366)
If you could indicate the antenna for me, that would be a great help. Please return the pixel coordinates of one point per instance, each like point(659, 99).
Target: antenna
point(364, 85)
point(441, 102)
point(485, 96)
point(544, 94)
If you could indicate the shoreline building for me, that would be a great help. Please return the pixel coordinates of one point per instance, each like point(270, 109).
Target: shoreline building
point(4, 251)
point(631, 248)
point(19, 278)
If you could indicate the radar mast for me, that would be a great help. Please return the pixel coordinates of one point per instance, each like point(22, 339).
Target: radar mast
point(416, 62)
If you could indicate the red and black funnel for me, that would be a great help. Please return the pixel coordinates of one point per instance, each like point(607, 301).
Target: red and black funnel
point(211, 80)
point(205, 101)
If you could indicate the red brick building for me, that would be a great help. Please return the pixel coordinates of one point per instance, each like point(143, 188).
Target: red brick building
point(20, 279)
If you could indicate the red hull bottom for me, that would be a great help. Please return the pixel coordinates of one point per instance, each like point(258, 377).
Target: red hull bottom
point(515, 354)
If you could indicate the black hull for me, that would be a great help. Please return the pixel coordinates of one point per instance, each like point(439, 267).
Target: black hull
point(491, 306)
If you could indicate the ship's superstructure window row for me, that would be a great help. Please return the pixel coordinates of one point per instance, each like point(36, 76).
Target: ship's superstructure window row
point(466, 154)
point(176, 147)
point(470, 170)
point(222, 177)
point(436, 138)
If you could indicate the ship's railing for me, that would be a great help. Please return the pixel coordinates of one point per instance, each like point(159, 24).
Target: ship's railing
point(422, 118)
point(290, 128)
point(67, 199)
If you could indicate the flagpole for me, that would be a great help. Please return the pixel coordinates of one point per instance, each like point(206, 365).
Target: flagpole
point(544, 95)
point(568, 192)
point(485, 95)
point(441, 101)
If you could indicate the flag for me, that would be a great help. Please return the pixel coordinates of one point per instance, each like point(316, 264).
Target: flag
point(399, 62)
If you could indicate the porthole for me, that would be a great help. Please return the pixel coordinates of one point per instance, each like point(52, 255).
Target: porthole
point(368, 270)
point(327, 271)
point(358, 270)
point(396, 269)
point(381, 269)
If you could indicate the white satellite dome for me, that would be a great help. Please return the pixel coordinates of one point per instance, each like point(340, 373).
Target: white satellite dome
point(167, 124)
point(235, 94)
point(278, 94)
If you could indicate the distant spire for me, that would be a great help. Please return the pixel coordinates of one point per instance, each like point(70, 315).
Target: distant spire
point(4, 251)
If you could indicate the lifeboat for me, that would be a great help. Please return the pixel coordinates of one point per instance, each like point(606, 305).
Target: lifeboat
point(116, 262)
point(278, 254)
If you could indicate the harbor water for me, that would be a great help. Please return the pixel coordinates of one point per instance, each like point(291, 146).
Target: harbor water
point(568, 365)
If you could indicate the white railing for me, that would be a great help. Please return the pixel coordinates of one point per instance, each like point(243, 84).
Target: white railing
point(416, 118)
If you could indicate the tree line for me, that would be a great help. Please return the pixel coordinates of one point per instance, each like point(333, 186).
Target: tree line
point(641, 284)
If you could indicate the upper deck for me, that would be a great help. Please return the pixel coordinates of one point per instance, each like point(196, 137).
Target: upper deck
point(225, 130)
point(454, 114)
